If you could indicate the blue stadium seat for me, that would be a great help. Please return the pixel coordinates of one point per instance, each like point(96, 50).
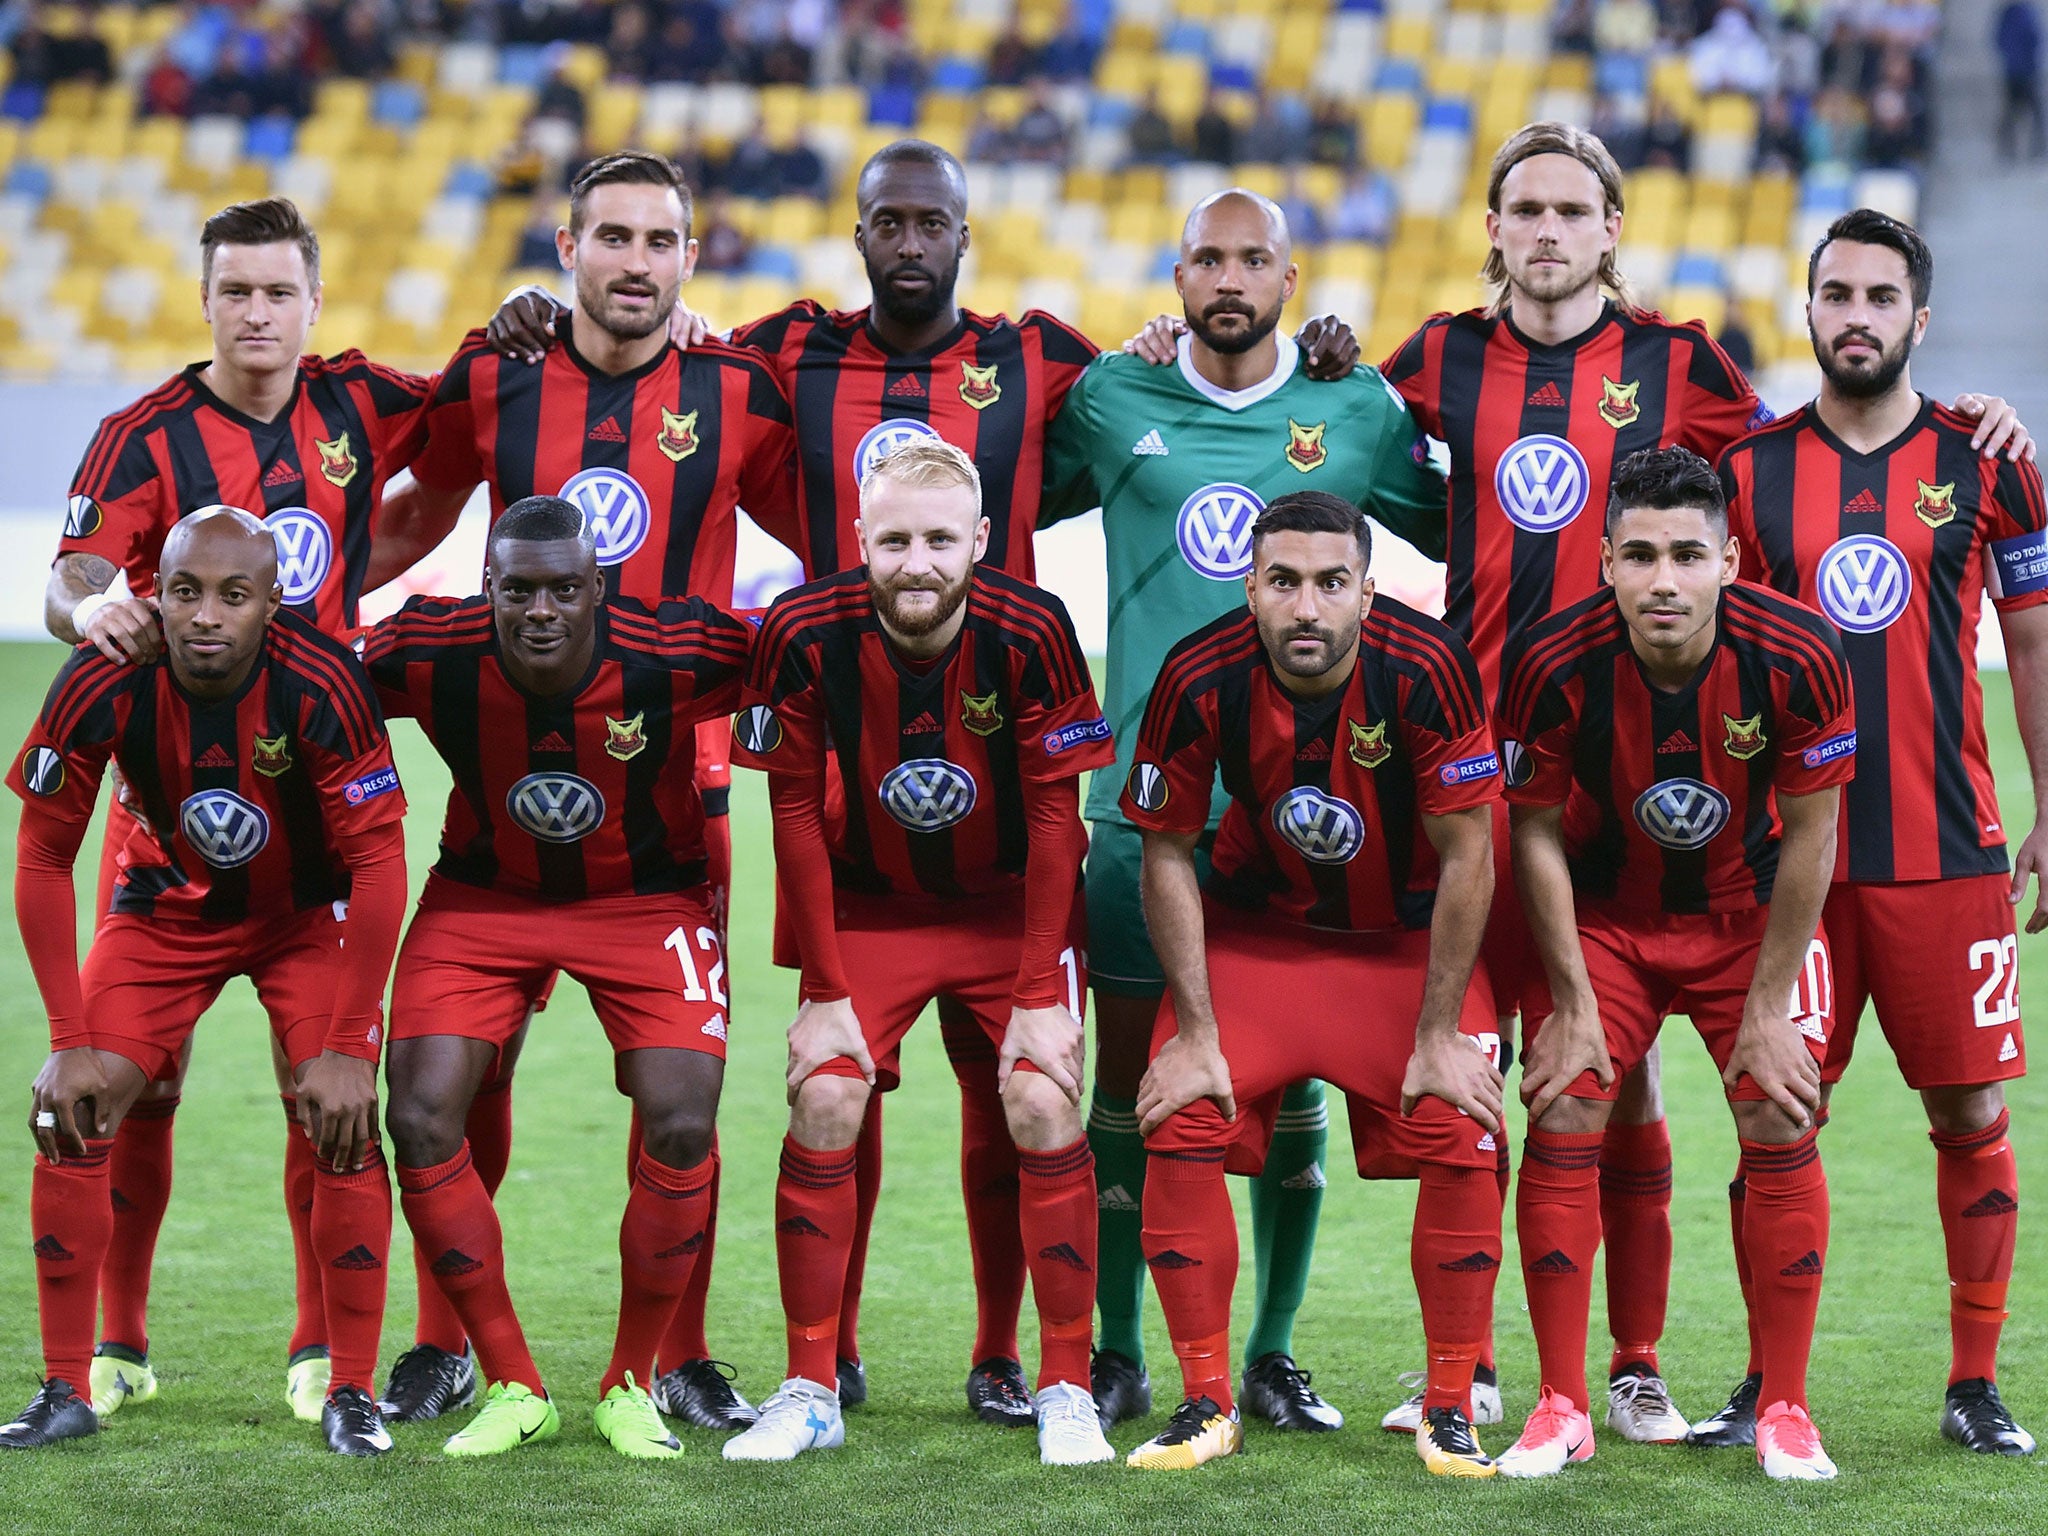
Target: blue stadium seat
point(1449, 113)
point(470, 180)
point(1370, 7)
point(1163, 261)
point(772, 261)
point(1399, 76)
point(1232, 77)
point(23, 102)
point(1695, 269)
point(1824, 192)
point(522, 64)
point(270, 138)
point(1186, 37)
point(28, 178)
point(1110, 111)
point(1621, 74)
point(956, 74)
point(399, 103)
point(892, 106)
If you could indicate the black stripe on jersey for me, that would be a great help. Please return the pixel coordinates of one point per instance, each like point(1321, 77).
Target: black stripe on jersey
point(305, 827)
point(999, 435)
point(646, 691)
point(695, 478)
point(1683, 885)
point(515, 440)
point(137, 750)
point(1460, 373)
point(1869, 662)
point(192, 473)
point(336, 404)
point(1607, 850)
point(1646, 359)
point(1316, 720)
point(1532, 564)
point(227, 890)
point(1773, 462)
point(815, 398)
point(458, 737)
point(123, 436)
point(561, 867)
point(992, 675)
point(1955, 798)
point(931, 853)
point(838, 656)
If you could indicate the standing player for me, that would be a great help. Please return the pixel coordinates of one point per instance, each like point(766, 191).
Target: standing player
point(1675, 749)
point(1353, 742)
point(1182, 459)
point(307, 443)
point(658, 446)
point(574, 841)
point(265, 833)
point(1870, 504)
point(956, 706)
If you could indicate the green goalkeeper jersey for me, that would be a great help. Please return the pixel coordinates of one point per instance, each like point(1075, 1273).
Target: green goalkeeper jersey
point(1180, 469)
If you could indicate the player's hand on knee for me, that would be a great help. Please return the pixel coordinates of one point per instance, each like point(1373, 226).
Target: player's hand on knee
point(125, 629)
point(1181, 1073)
point(1998, 427)
point(524, 326)
point(1051, 1040)
point(1448, 1068)
point(1159, 342)
point(1329, 347)
point(823, 1032)
point(1570, 1043)
point(686, 328)
point(1773, 1054)
point(338, 1108)
point(67, 1080)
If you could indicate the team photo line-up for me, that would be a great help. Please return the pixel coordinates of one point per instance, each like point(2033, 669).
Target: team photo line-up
point(1700, 732)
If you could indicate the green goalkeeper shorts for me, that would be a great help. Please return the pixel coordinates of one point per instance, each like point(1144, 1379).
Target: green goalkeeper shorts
point(1120, 957)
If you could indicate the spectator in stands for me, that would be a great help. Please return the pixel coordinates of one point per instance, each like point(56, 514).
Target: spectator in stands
point(1277, 134)
point(1150, 136)
point(1040, 135)
point(2017, 39)
point(690, 45)
point(1071, 52)
point(1847, 62)
point(537, 248)
point(1572, 32)
point(1333, 134)
point(1667, 141)
point(1730, 56)
point(1011, 59)
point(1625, 26)
point(1834, 128)
point(799, 169)
point(721, 247)
point(753, 169)
point(1215, 133)
point(1780, 145)
point(1365, 210)
point(988, 141)
point(358, 38)
point(560, 97)
point(628, 53)
point(261, 81)
point(1735, 339)
point(42, 57)
point(1618, 121)
point(1795, 57)
point(166, 88)
point(1304, 218)
point(1892, 140)
point(1900, 71)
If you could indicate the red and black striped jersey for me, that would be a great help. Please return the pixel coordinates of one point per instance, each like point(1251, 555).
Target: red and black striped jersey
point(586, 793)
point(1651, 781)
point(924, 763)
point(1328, 795)
point(658, 458)
point(1534, 433)
point(315, 474)
point(1898, 547)
point(241, 803)
point(989, 387)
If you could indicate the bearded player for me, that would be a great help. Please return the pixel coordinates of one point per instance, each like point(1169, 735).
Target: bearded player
point(1181, 459)
point(1870, 504)
point(307, 443)
point(956, 707)
point(264, 842)
point(1353, 742)
point(574, 841)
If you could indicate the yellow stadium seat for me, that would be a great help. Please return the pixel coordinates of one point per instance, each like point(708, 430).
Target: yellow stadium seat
point(783, 109)
point(70, 99)
point(1568, 72)
point(118, 26)
point(1409, 37)
point(583, 66)
point(1671, 84)
point(1451, 75)
point(53, 138)
point(332, 137)
point(791, 221)
point(1690, 303)
point(342, 99)
point(838, 106)
point(1141, 184)
point(1389, 124)
point(1322, 184)
point(1266, 180)
point(1085, 184)
point(1711, 230)
point(419, 64)
point(613, 113)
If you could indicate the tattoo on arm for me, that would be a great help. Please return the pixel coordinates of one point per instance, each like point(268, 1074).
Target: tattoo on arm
point(75, 576)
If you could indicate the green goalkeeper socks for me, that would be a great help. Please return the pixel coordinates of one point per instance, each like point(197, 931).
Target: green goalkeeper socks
point(1120, 1255)
point(1287, 1200)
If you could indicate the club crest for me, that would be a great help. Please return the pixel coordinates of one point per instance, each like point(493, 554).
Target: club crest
point(337, 461)
point(980, 715)
point(1369, 746)
point(625, 739)
point(978, 386)
point(1745, 737)
point(678, 435)
point(1936, 504)
point(1305, 450)
point(271, 756)
point(1618, 406)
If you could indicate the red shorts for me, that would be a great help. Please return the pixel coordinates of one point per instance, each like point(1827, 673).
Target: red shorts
point(1509, 950)
point(1293, 1003)
point(148, 979)
point(1940, 960)
point(474, 962)
point(1645, 967)
point(901, 954)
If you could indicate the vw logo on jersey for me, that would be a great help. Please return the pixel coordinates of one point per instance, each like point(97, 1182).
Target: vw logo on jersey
point(1542, 483)
point(556, 807)
point(1681, 813)
point(927, 794)
point(1215, 530)
point(223, 828)
point(618, 511)
point(1864, 583)
point(305, 550)
point(879, 441)
point(1319, 827)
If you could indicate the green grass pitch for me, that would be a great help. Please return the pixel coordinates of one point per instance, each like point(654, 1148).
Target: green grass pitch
point(218, 1451)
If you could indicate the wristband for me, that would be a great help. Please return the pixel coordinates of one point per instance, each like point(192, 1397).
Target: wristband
point(88, 605)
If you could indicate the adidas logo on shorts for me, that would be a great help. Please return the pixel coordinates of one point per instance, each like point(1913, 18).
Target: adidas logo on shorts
point(2009, 1050)
point(716, 1027)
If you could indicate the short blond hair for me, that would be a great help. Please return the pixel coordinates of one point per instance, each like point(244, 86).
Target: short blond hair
point(1552, 138)
point(923, 461)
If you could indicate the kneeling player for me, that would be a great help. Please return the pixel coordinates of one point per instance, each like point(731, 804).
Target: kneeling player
point(1353, 870)
point(1676, 748)
point(267, 831)
point(575, 842)
point(947, 714)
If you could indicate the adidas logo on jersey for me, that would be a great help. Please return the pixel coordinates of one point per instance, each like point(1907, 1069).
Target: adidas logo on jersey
point(1994, 1203)
point(1549, 394)
point(1677, 741)
point(358, 1257)
point(281, 473)
point(1863, 501)
point(1317, 751)
point(907, 387)
point(1151, 445)
point(1553, 1263)
point(1067, 1254)
point(1115, 1198)
point(1809, 1264)
point(2009, 1050)
point(923, 725)
point(1310, 1177)
point(552, 742)
point(607, 431)
point(215, 756)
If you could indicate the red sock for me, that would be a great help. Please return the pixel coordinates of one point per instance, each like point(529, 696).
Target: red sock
point(352, 1237)
point(489, 1129)
point(1977, 1184)
point(309, 1324)
point(72, 1214)
point(1454, 1252)
point(1190, 1237)
point(1635, 1223)
point(1785, 1229)
point(140, 1174)
point(685, 1338)
point(1557, 1216)
point(816, 1207)
point(867, 1189)
point(988, 1185)
point(452, 1217)
point(1738, 1204)
point(659, 1239)
point(1056, 1212)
